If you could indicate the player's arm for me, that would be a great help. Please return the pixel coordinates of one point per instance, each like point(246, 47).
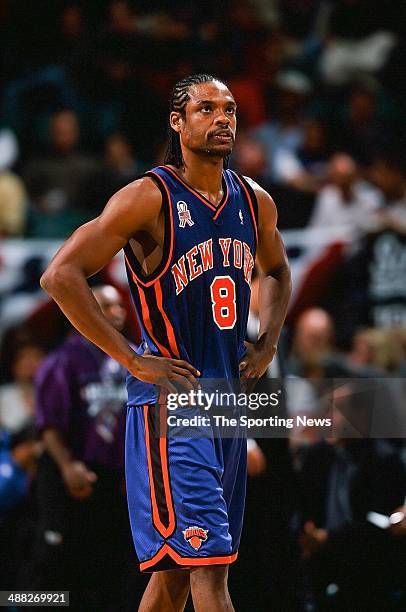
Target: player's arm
point(78, 479)
point(275, 287)
point(91, 247)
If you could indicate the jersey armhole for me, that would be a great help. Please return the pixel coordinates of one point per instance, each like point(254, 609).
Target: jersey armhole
point(130, 257)
point(252, 201)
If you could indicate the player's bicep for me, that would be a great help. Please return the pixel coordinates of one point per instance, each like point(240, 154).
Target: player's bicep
point(89, 248)
point(94, 244)
point(271, 254)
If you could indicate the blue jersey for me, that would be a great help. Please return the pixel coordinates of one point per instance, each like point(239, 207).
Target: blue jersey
point(195, 305)
point(186, 492)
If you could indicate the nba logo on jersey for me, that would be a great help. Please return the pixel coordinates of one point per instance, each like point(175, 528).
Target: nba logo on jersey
point(184, 214)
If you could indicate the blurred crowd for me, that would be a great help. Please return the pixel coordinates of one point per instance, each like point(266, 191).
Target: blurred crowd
point(321, 126)
point(85, 90)
point(326, 508)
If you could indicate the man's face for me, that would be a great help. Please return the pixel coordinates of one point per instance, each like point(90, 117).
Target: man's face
point(64, 132)
point(209, 123)
point(111, 305)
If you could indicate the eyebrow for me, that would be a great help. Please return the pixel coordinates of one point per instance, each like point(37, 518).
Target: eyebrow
point(213, 102)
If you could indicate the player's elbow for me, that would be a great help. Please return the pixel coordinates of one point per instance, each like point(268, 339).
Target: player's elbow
point(47, 280)
point(286, 275)
point(281, 272)
point(283, 275)
point(53, 280)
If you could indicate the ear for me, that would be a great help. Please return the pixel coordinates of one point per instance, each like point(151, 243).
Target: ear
point(176, 121)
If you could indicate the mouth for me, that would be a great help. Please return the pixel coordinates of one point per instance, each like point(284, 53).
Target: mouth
point(223, 136)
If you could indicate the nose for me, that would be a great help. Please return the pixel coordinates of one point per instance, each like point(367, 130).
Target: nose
point(222, 119)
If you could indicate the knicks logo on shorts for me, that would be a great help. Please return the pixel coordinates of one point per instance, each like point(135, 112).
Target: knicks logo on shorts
point(195, 536)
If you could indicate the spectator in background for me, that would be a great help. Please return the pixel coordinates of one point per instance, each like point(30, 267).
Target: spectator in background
point(118, 50)
point(18, 457)
point(314, 353)
point(17, 397)
point(372, 279)
point(355, 383)
point(120, 167)
point(361, 132)
point(388, 173)
point(61, 185)
point(376, 350)
point(352, 564)
point(313, 342)
point(294, 206)
point(249, 158)
point(75, 48)
point(13, 196)
point(306, 169)
point(83, 538)
point(346, 202)
point(284, 132)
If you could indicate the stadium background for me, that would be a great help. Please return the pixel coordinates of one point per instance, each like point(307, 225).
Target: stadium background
point(320, 92)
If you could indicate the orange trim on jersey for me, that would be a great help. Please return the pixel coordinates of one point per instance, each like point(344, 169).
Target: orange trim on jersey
point(148, 325)
point(196, 193)
point(169, 258)
point(169, 329)
point(250, 205)
point(164, 531)
point(190, 561)
point(220, 208)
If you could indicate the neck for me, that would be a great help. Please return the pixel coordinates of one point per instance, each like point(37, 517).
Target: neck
point(203, 173)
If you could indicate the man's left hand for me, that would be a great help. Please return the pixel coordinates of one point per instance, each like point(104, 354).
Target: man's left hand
point(256, 360)
point(312, 538)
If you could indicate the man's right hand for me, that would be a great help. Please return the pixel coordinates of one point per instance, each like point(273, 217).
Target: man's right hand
point(78, 479)
point(166, 372)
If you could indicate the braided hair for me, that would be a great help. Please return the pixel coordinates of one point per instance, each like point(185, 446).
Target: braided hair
point(179, 99)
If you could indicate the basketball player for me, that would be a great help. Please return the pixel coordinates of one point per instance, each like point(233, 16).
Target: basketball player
point(190, 231)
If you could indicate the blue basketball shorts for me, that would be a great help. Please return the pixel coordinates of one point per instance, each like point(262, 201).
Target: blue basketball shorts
point(186, 494)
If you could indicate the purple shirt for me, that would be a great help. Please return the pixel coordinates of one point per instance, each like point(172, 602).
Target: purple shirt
point(81, 392)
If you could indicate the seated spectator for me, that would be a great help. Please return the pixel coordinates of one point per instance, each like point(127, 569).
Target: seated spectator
point(61, 184)
point(351, 563)
point(341, 380)
point(285, 131)
point(388, 174)
point(17, 397)
point(249, 158)
point(13, 197)
point(305, 169)
point(75, 48)
point(376, 349)
point(18, 458)
point(361, 132)
point(120, 167)
point(313, 342)
point(18, 455)
point(346, 202)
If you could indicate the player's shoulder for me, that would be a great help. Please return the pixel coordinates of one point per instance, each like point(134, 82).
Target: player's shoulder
point(256, 187)
point(137, 204)
point(144, 188)
point(263, 198)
